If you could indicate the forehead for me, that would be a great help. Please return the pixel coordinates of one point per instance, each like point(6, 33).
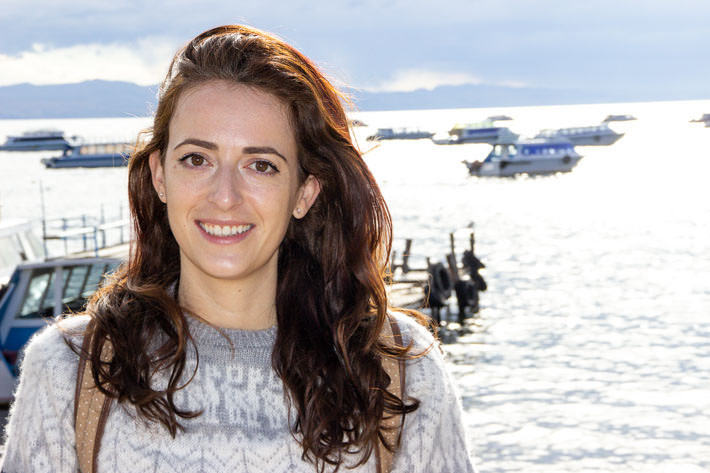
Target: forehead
point(232, 114)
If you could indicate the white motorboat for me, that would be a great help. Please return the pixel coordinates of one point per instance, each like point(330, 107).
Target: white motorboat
point(399, 134)
point(485, 131)
point(596, 135)
point(93, 155)
point(704, 119)
point(618, 118)
point(534, 156)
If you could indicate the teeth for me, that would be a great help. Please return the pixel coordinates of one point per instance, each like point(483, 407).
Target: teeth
point(226, 230)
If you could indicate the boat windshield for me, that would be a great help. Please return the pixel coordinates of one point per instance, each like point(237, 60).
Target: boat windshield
point(78, 283)
point(502, 152)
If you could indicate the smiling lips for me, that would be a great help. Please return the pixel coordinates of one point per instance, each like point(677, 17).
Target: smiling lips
point(224, 231)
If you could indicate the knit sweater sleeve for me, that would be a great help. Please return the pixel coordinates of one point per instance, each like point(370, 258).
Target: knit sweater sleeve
point(433, 439)
point(39, 436)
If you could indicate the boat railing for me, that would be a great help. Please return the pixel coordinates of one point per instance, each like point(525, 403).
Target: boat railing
point(87, 233)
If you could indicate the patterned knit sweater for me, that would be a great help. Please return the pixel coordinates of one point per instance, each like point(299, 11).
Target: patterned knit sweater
point(244, 425)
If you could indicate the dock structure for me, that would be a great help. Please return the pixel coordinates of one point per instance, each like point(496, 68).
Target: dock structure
point(434, 286)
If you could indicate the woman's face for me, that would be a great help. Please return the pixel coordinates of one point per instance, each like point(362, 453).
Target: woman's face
point(230, 180)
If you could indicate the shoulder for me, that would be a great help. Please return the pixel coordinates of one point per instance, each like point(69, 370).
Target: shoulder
point(433, 437)
point(425, 369)
point(40, 430)
point(48, 351)
point(413, 332)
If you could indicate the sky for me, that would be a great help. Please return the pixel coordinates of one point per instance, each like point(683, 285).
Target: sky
point(601, 45)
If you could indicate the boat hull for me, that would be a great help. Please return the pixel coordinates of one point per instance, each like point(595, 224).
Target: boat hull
point(87, 161)
point(511, 168)
point(51, 146)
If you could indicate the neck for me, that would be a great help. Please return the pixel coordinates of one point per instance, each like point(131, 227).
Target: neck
point(243, 304)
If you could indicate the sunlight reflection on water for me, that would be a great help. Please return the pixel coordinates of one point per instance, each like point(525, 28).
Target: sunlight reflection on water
point(598, 342)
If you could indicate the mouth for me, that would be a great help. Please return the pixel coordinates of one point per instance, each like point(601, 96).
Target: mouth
point(224, 232)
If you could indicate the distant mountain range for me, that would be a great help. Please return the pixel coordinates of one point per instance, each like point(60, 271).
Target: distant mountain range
point(99, 98)
point(95, 98)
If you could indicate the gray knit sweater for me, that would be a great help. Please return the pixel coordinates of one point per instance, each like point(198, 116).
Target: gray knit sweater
point(244, 426)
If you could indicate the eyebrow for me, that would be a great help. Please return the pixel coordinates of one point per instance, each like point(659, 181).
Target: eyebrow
point(247, 150)
point(196, 142)
point(263, 150)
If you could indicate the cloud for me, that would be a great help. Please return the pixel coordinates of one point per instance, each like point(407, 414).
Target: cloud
point(408, 80)
point(144, 62)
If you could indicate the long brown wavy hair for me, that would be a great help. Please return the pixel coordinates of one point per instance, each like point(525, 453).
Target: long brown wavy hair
point(331, 300)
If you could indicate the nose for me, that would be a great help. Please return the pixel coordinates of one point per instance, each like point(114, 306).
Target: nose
point(226, 188)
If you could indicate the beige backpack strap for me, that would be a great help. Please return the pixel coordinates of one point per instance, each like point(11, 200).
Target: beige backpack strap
point(393, 424)
point(91, 409)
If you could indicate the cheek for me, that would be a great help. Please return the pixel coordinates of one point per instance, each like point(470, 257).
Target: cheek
point(182, 198)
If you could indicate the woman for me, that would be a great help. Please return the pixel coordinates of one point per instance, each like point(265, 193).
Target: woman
point(247, 331)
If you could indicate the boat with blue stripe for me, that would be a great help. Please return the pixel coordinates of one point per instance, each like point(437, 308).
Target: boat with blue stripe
point(533, 157)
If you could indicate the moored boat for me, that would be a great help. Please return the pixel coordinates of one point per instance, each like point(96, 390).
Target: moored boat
point(704, 119)
point(399, 134)
point(485, 131)
point(37, 140)
point(91, 156)
point(618, 118)
point(532, 157)
point(596, 135)
point(38, 291)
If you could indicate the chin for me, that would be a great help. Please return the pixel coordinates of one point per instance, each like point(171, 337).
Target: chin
point(226, 273)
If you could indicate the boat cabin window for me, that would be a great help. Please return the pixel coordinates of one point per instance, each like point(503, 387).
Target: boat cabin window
point(512, 151)
point(38, 300)
point(94, 278)
point(74, 281)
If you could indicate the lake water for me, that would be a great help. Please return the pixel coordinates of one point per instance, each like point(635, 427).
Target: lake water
point(593, 351)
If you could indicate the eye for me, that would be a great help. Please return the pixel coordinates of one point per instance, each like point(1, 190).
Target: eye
point(263, 167)
point(193, 160)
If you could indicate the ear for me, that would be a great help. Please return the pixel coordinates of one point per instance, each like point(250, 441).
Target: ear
point(307, 194)
point(157, 174)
